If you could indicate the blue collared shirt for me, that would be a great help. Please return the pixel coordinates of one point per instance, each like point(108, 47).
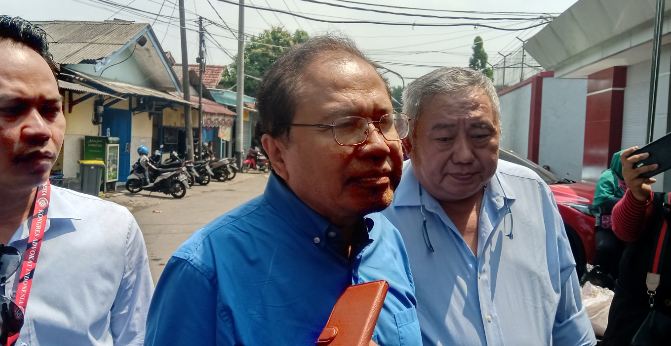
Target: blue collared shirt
point(92, 285)
point(269, 273)
point(521, 289)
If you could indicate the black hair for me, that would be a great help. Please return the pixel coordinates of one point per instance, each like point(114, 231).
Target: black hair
point(276, 99)
point(21, 31)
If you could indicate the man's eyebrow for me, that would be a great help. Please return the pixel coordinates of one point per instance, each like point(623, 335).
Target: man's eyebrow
point(482, 125)
point(442, 126)
point(10, 97)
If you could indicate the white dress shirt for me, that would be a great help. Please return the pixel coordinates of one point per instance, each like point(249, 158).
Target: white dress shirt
point(92, 284)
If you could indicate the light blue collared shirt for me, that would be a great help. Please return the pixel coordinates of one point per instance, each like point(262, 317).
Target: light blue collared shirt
point(522, 289)
point(269, 273)
point(92, 284)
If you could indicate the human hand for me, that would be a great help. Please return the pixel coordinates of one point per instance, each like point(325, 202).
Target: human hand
point(640, 187)
point(372, 343)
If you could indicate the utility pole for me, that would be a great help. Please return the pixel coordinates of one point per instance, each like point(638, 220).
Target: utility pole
point(654, 73)
point(185, 84)
point(504, 68)
point(201, 69)
point(239, 124)
point(522, 66)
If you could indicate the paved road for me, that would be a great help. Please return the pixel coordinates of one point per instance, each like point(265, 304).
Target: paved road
point(167, 222)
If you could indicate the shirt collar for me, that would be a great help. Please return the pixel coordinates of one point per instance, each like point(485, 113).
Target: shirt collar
point(60, 207)
point(294, 210)
point(304, 218)
point(498, 190)
point(407, 193)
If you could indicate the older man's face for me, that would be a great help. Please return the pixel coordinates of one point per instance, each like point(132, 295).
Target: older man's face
point(455, 147)
point(341, 182)
point(32, 124)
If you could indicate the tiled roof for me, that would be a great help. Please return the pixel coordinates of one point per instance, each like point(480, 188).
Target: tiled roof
point(74, 42)
point(211, 77)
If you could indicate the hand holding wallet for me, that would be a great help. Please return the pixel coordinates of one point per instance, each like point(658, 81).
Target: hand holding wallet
point(354, 315)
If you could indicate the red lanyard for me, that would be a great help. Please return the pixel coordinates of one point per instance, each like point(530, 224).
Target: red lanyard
point(37, 226)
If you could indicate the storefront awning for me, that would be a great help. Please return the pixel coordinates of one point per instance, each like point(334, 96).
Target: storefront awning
point(81, 88)
point(120, 88)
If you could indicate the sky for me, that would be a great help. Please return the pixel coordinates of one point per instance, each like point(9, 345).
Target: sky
point(411, 51)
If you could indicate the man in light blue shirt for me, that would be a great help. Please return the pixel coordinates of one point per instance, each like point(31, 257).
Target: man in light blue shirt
point(270, 271)
point(88, 283)
point(490, 258)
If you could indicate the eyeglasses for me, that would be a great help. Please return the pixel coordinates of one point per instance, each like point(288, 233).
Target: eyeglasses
point(11, 315)
point(353, 130)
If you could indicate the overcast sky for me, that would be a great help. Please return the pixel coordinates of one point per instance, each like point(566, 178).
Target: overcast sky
point(391, 45)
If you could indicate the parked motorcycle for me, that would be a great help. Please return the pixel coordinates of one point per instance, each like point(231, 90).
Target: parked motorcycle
point(220, 169)
point(171, 182)
point(174, 162)
point(256, 160)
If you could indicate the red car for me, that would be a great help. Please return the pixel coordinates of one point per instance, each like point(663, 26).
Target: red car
point(574, 200)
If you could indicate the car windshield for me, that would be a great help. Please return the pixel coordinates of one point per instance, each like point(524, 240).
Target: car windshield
point(547, 176)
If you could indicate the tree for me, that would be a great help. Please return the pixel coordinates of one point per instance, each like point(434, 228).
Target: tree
point(397, 94)
point(478, 61)
point(260, 54)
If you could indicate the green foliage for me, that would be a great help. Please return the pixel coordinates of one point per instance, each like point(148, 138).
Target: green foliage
point(397, 94)
point(478, 60)
point(260, 54)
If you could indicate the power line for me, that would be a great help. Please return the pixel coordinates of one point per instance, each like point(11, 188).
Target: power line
point(440, 10)
point(276, 17)
point(418, 15)
point(381, 23)
point(298, 9)
point(115, 13)
point(296, 20)
point(159, 12)
point(222, 20)
point(259, 12)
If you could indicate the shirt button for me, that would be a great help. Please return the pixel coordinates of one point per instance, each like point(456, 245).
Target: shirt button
point(24, 344)
point(332, 234)
point(317, 240)
point(478, 275)
point(13, 294)
point(489, 318)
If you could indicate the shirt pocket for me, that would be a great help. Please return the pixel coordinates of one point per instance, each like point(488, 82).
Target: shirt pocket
point(408, 327)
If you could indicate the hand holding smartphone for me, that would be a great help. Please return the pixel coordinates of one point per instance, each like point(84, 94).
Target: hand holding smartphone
point(660, 153)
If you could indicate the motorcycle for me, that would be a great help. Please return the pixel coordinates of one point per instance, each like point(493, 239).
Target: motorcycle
point(221, 170)
point(170, 182)
point(256, 159)
point(204, 172)
point(175, 162)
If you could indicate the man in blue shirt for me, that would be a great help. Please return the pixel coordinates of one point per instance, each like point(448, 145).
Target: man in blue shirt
point(489, 254)
point(270, 271)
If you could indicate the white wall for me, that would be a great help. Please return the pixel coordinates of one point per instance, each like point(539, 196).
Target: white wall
point(515, 114)
point(562, 136)
point(635, 117)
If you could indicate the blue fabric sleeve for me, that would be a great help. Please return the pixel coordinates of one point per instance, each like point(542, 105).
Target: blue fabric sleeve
point(184, 309)
point(572, 325)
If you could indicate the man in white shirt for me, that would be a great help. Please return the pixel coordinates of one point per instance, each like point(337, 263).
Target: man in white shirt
point(84, 278)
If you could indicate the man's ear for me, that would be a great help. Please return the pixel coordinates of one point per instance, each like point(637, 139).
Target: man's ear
point(276, 149)
point(407, 146)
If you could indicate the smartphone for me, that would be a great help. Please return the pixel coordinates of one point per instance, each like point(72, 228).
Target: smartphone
point(660, 153)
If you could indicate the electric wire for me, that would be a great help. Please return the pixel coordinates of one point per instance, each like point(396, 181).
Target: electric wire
point(418, 15)
point(441, 10)
point(382, 23)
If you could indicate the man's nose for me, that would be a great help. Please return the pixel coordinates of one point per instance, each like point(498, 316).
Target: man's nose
point(375, 143)
point(34, 128)
point(462, 150)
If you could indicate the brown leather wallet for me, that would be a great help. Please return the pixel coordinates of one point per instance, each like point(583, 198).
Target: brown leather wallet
point(354, 315)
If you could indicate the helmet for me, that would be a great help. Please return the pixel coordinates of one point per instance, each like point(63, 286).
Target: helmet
point(142, 150)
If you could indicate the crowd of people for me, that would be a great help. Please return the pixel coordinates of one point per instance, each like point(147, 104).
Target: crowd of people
point(473, 248)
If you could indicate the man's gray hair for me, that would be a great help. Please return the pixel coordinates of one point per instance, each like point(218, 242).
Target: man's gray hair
point(446, 80)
